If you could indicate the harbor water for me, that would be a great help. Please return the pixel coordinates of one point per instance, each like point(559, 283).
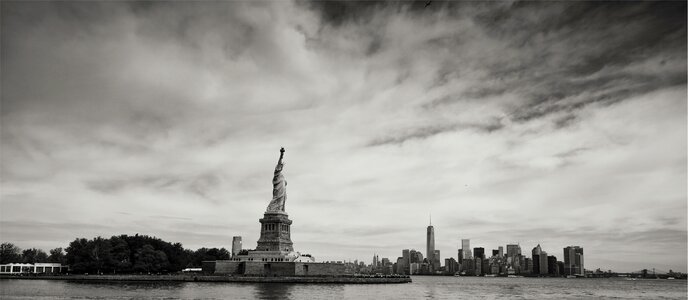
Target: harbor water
point(422, 287)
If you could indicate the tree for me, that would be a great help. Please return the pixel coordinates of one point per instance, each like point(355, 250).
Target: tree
point(121, 255)
point(34, 255)
point(101, 255)
point(204, 254)
point(57, 256)
point(78, 256)
point(150, 260)
point(9, 253)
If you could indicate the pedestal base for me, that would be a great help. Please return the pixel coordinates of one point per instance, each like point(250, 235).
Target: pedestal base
point(275, 232)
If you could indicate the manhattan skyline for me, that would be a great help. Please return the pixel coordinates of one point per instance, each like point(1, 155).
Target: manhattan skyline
point(550, 123)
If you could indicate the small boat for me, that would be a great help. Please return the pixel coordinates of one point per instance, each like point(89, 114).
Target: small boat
point(671, 278)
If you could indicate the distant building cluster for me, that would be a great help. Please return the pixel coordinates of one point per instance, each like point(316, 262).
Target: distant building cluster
point(477, 262)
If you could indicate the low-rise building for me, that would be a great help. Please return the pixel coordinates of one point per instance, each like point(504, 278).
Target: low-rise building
point(37, 268)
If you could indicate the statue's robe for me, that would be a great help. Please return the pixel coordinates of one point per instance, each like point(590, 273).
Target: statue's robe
point(279, 190)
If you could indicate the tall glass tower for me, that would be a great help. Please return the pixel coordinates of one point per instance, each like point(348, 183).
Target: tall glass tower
point(430, 243)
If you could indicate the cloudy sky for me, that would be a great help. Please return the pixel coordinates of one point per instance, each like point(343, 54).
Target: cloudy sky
point(558, 123)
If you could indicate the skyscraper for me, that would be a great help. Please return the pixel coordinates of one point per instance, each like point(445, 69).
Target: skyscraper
point(536, 259)
point(573, 261)
point(479, 252)
point(539, 261)
point(513, 257)
point(544, 266)
point(416, 256)
point(406, 255)
point(399, 266)
point(431, 245)
point(466, 248)
point(236, 245)
point(552, 266)
point(513, 250)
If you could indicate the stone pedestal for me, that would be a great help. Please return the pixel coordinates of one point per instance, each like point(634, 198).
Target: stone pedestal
point(275, 232)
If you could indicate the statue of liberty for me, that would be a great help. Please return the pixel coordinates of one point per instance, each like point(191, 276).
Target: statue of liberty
point(279, 187)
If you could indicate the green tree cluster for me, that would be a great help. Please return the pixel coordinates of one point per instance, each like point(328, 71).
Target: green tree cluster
point(135, 254)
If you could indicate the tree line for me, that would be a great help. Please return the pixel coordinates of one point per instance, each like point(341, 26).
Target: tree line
point(117, 255)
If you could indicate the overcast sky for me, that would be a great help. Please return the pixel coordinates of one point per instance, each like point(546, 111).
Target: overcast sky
point(558, 123)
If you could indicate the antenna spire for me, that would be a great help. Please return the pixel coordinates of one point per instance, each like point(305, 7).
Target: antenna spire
point(430, 219)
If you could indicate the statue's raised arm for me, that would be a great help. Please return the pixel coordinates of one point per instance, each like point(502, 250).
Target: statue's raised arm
point(279, 186)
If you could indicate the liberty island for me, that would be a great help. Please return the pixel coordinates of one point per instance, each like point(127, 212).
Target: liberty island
point(274, 255)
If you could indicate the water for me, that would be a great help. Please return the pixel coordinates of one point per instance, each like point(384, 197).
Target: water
point(423, 287)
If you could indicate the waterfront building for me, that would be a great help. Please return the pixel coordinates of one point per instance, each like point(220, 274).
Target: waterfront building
point(451, 265)
point(485, 266)
point(437, 263)
point(468, 267)
point(406, 255)
point(36, 268)
point(552, 268)
point(539, 261)
point(236, 245)
point(399, 266)
point(527, 266)
point(425, 267)
point(501, 251)
point(494, 269)
point(495, 252)
point(513, 253)
point(478, 266)
point(536, 259)
point(414, 268)
point(573, 261)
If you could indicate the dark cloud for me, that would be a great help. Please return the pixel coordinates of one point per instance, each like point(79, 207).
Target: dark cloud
point(336, 13)
point(488, 126)
point(416, 133)
point(567, 55)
